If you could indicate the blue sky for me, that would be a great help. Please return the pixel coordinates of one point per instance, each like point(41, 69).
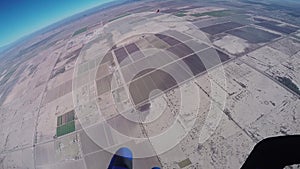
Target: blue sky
point(22, 17)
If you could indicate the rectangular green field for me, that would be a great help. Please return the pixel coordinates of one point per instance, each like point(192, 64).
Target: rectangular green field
point(185, 163)
point(119, 17)
point(181, 13)
point(65, 123)
point(214, 13)
point(65, 129)
point(79, 31)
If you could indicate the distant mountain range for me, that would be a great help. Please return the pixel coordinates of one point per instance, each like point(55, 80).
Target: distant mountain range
point(11, 45)
point(291, 7)
point(64, 22)
point(3, 48)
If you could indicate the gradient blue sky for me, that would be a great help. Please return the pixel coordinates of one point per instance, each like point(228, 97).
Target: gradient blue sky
point(22, 17)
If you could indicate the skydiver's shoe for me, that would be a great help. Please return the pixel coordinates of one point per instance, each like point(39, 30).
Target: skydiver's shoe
point(121, 160)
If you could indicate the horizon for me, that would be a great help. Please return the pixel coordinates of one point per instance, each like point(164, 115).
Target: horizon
point(18, 26)
point(8, 38)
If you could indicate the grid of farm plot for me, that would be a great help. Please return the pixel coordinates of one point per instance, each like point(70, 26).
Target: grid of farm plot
point(143, 70)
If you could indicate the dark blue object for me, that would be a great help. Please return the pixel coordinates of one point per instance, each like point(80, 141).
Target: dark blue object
point(123, 160)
